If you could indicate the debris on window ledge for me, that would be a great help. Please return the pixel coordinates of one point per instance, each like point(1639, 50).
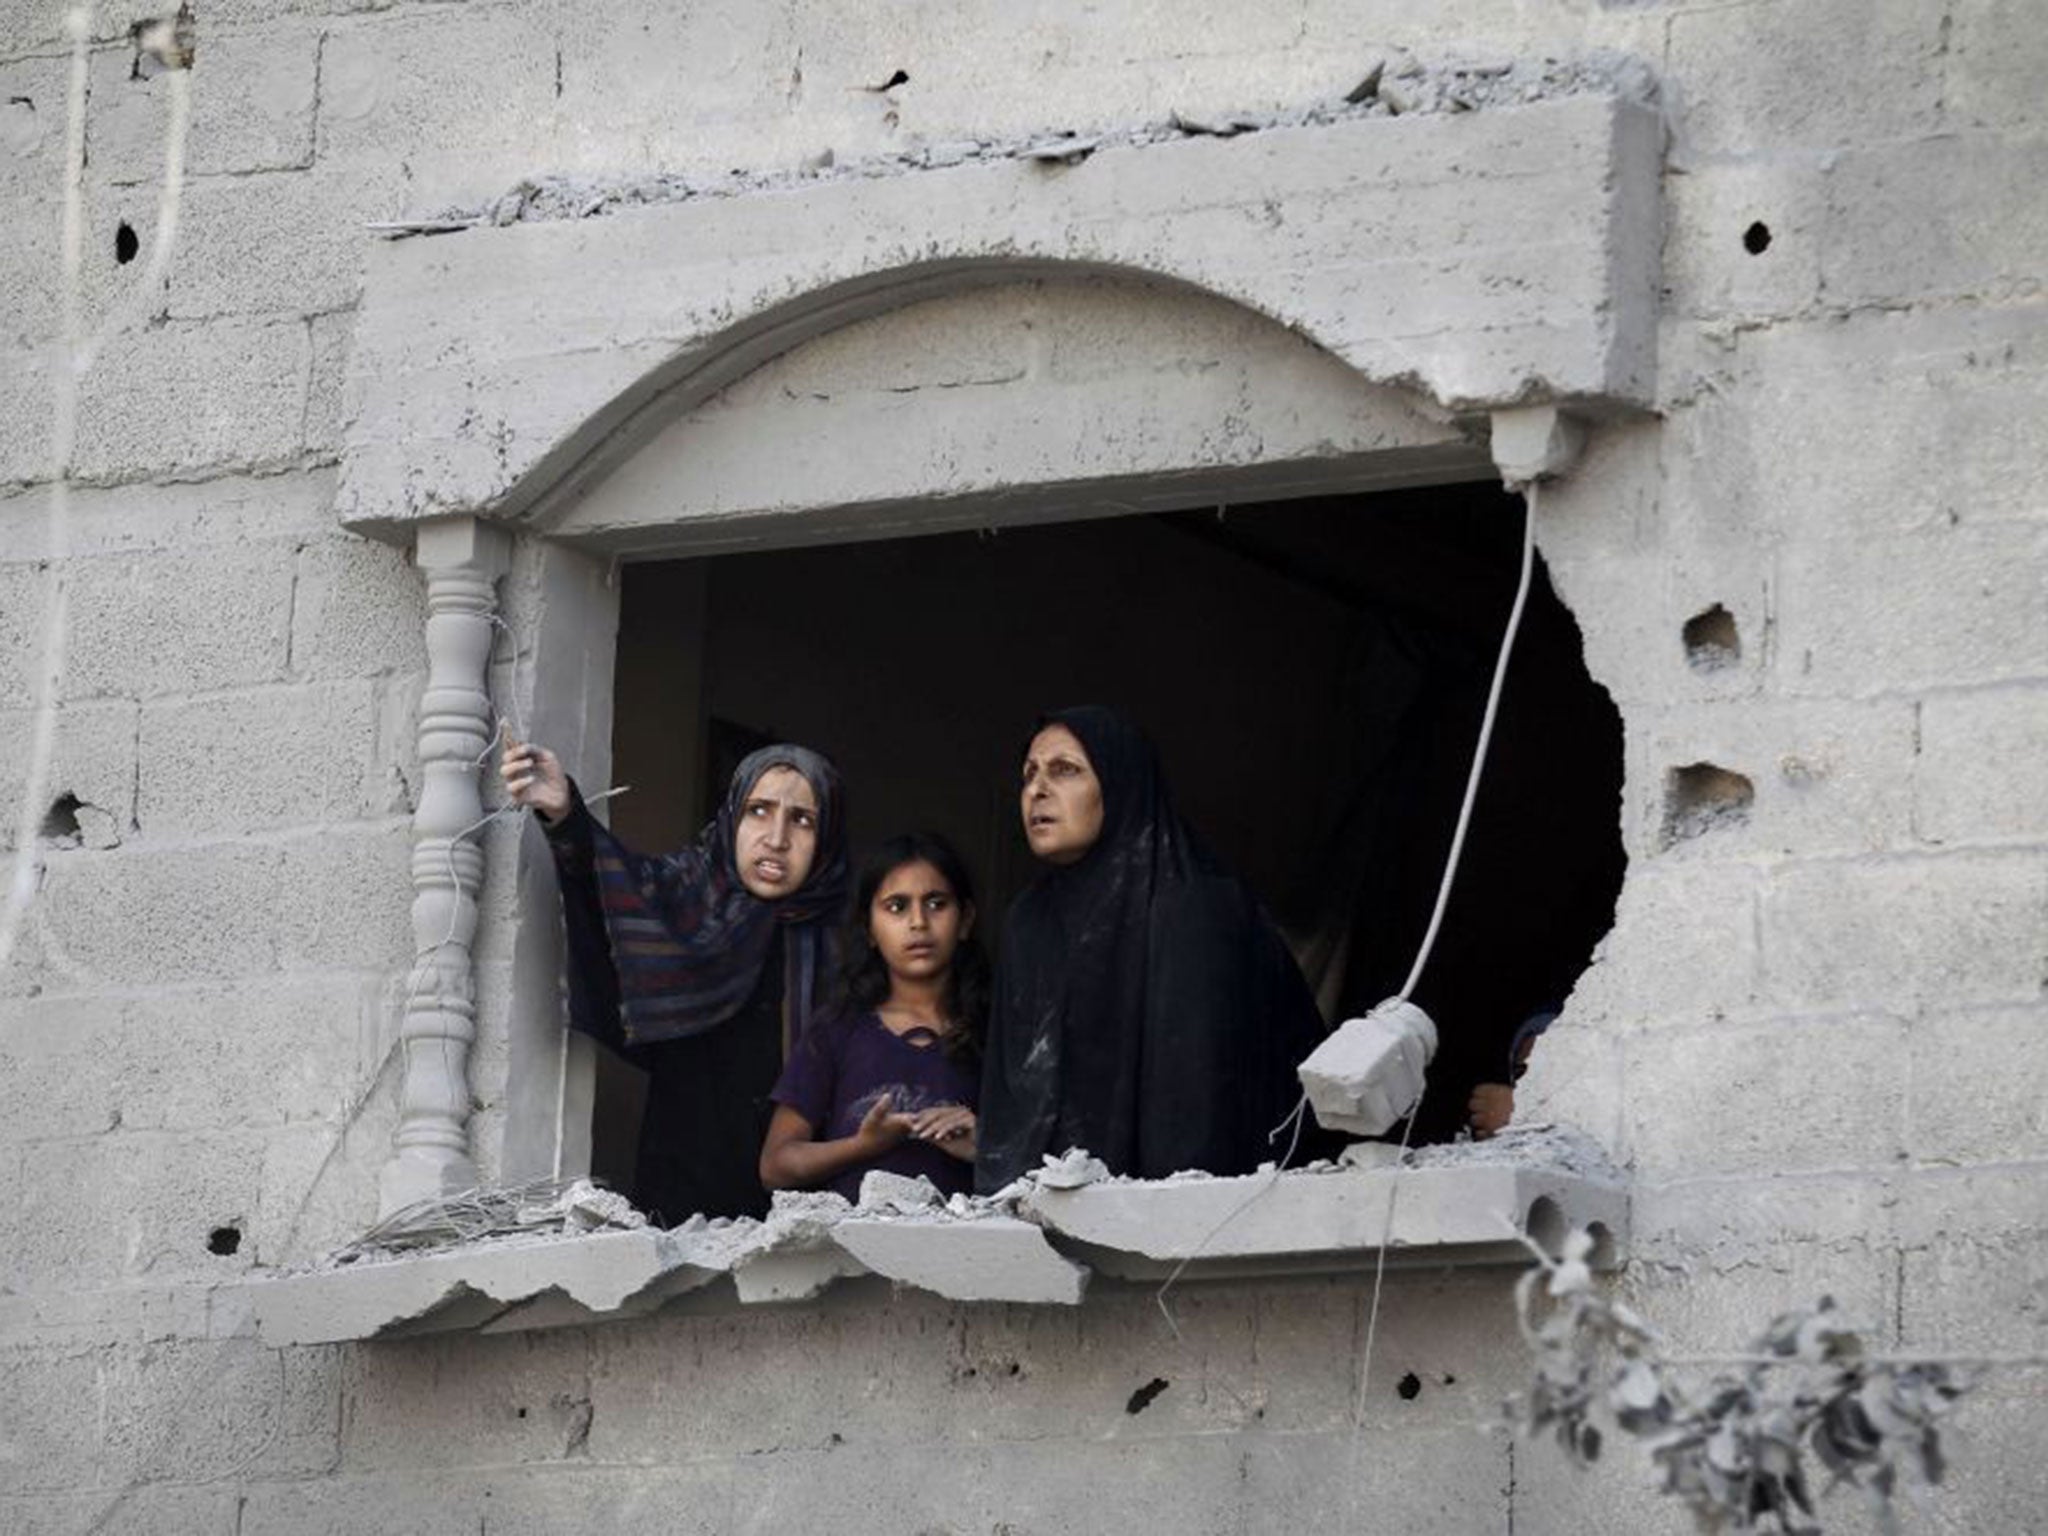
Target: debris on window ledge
point(1035, 1242)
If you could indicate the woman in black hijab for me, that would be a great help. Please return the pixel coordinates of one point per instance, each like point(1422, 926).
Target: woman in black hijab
point(1145, 1007)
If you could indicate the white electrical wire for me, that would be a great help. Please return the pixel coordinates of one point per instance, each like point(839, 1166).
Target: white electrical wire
point(1436, 917)
point(1500, 673)
point(1299, 1113)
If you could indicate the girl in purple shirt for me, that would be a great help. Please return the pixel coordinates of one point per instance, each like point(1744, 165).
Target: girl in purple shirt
point(891, 1081)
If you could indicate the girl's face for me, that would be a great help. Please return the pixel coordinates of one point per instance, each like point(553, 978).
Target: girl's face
point(917, 922)
point(777, 838)
point(1061, 797)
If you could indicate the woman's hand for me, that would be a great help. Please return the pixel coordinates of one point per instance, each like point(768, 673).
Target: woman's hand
point(533, 776)
point(1490, 1108)
point(950, 1128)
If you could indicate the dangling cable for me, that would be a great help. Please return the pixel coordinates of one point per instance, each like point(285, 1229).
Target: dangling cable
point(1300, 1111)
point(1500, 673)
point(1436, 917)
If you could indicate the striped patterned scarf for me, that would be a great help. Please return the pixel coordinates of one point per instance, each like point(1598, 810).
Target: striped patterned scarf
point(688, 940)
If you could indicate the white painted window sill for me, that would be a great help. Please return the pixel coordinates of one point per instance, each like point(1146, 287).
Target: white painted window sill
point(1452, 1207)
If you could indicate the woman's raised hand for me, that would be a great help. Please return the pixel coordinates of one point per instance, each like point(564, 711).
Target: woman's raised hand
point(881, 1127)
point(533, 776)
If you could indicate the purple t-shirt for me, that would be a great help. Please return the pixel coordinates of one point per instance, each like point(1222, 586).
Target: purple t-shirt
point(844, 1064)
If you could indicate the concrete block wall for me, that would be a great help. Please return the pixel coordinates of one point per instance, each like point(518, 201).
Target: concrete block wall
point(1812, 1035)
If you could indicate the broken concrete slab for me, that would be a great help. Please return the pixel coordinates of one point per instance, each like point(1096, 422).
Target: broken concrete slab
point(789, 1257)
point(1340, 1218)
point(1470, 1203)
point(468, 1287)
point(881, 1190)
point(795, 1275)
point(989, 1258)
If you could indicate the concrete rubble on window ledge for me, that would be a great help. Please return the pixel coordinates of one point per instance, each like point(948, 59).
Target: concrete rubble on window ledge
point(1036, 1242)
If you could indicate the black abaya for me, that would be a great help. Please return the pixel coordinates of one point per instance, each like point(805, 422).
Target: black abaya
point(1145, 1007)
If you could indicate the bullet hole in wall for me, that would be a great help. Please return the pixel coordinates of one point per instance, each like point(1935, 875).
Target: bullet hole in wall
point(896, 77)
point(1711, 640)
point(224, 1240)
point(125, 243)
point(1702, 797)
point(1757, 238)
point(60, 822)
point(1409, 1387)
point(1142, 1398)
point(162, 42)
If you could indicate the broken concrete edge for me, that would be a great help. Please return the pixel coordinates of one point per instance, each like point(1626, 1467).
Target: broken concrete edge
point(1400, 86)
point(1035, 1243)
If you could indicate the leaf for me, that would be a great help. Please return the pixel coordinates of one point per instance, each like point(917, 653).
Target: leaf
point(1933, 1464)
point(1724, 1450)
point(1636, 1387)
point(1570, 1278)
point(1879, 1402)
point(1589, 1442)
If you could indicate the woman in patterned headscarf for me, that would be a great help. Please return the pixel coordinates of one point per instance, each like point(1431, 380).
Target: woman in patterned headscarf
point(702, 967)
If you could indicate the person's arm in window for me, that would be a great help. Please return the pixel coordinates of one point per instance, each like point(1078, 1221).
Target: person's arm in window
point(791, 1157)
point(534, 777)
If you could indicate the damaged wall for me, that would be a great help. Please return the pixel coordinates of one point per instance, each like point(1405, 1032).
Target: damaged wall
point(1814, 585)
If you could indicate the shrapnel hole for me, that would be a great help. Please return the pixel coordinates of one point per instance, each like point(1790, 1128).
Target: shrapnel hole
point(1712, 640)
point(1703, 797)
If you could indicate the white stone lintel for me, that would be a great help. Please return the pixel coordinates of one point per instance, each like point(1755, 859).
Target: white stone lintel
point(1481, 260)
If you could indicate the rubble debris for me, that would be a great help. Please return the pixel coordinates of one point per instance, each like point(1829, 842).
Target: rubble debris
point(1064, 150)
point(1544, 1144)
point(568, 1254)
point(1368, 85)
point(1071, 1169)
point(952, 152)
point(881, 1190)
point(1227, 126)
point(542, 1206)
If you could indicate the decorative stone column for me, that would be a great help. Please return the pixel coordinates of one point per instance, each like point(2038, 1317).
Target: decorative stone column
point(461, 559)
